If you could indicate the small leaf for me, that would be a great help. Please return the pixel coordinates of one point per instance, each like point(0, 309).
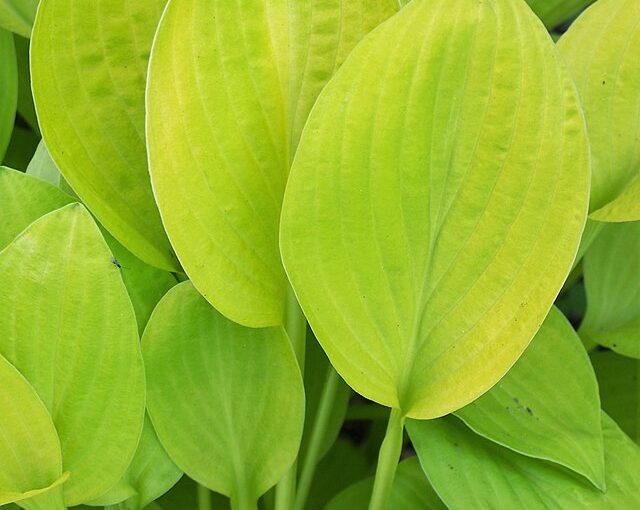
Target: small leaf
point(9, 88)
point(436, 202)
point(612, 282)
point(226, 401)
point(547, 405)
point(601, 48)
point(88, 67)
point(17, 15)
point(87, 366)
point(469, 471)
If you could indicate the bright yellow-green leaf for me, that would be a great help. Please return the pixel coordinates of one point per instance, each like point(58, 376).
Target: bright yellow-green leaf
point(8, 88)
point(226, 401)
point(88, 67)
point(29, 446)
point(237, 92)
point(612, 282)
point(547, 405)
point(436, 202)
point(18, 15)
point(471, 472)
point(554, 12)
point(74, 338)
point(601, 49)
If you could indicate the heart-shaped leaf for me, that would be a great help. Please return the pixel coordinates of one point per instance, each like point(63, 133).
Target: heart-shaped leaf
point(88, 67)
point(9, 88)
point(601, 48)
point(226, 401)
point(436, 202)
point(18, 15)
point(256, 67)
point(85, 366)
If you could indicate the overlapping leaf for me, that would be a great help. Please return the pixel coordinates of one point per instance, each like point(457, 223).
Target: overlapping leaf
point(18, 15)
point(9, 88)
point(553, 12)
point(237, 93)
point(74, 338)
point(226, 401)
point(436, 202)
point(601, 49)
point(88, 66)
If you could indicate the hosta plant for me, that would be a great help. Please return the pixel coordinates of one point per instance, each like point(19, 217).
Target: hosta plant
point(305, 254)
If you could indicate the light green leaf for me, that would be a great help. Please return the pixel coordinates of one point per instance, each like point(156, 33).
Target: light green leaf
point(9, 88)
point(411, 491)
point(18, 15)
point(619, 381)
point(547, 405)
point(24, 199)
point(90, 104)
point(601, 48)
point(436, 202)
point(255, 67)
point(43, 167)
point(612, 283)
point(86, 367)
point(469, 471)
point(29, 445)
point(226, 401)
point(554, 12)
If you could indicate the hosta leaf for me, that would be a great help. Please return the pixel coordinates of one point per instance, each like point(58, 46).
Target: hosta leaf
point(9, 88)
point(226, 401)
point(554, 12)
point(619, 381)
point(468, 471)
point(21, 148)
point(255, 67)
point(547, 405)
point(88, 66)
point(29, 445)
point(26, 108)
point(436, 202)
point(74, 338)
point(612, 283)
point(18, 15)
point(411, 491)
point(601, 49)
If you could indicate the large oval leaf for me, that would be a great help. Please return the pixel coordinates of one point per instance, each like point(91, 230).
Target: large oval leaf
point(9, 88)
point(255, 67)
point(18, 15)
point(29, 445)
point(468, 471)
point(436, 202)
point(74, 338)
point(88, 67)
point(601, 49)
point(226, 401)
point(547, 405)
point(612, 283)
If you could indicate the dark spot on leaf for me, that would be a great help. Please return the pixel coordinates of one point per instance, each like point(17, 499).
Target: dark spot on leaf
point(529, 411)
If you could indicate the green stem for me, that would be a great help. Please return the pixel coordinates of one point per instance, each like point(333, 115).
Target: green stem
point(244, 501)
point(204, 498)
point(296, 326)
point(318, 432)
point(388, 459)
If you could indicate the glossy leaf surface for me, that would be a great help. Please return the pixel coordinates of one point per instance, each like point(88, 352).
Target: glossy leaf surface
point(601, 49)
point(9, 88)
point(226, 401)
point(436, 202)
point(219, 184)
point(90, 104)
point(547, 405)
point(86, 367)
point(17, 15)
point(612, 283)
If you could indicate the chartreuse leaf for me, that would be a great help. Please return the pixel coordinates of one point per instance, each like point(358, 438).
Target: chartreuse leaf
point(29, 446)
point(619, 382)
point(601, 48)
point(9, 88)
point(226, 401)
point(547, 405)
point(88, 68)
point(612, 282)
point(86, 367)
point(255, 67)
point(18, 15)
point(554, 12)
point(411, 491)
point(436, 202)
point(469, 471)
